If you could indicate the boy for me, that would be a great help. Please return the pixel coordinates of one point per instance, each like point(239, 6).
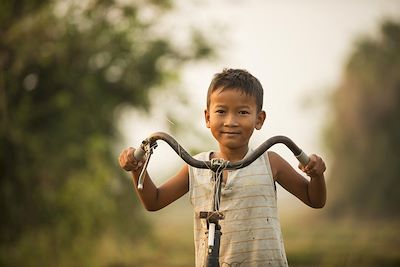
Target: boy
point(251, 234)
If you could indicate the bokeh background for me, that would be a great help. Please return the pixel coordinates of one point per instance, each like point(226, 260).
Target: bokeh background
point(80, 80)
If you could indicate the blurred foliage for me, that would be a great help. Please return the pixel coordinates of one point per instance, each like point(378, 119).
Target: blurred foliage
point(364, 135)
point(66, 70)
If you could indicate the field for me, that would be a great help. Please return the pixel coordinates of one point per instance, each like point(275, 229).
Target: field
point(310, 240)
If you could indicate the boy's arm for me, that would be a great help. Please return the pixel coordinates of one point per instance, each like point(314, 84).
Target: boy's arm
point(312, 192)
point(152, 197)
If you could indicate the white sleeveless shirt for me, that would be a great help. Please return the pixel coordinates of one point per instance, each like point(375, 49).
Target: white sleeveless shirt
point(251, 233)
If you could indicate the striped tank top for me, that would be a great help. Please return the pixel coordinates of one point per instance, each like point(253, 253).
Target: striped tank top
point(251, 233)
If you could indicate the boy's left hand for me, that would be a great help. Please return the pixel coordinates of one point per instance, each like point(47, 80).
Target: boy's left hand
point(315, 167)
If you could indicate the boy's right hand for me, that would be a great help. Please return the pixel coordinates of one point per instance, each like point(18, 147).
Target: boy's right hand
point(128, 162)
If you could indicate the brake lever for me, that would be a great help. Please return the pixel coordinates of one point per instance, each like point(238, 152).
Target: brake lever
point(148, 151)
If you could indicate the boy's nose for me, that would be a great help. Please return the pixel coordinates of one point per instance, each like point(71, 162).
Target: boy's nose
point(230, 121)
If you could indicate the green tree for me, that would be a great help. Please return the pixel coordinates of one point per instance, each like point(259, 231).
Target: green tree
point(364, 135)
point(66, 69)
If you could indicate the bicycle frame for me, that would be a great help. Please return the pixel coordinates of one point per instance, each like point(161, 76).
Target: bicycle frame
point(213, 217)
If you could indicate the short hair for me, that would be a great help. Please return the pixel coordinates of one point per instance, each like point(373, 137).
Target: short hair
point(239, 79)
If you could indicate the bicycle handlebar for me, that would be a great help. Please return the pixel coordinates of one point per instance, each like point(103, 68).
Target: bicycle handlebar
point(149, 144)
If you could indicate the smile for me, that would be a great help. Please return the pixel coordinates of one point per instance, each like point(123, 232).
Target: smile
point(230, 133)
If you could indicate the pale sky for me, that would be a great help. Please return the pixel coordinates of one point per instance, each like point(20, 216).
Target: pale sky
point(295, 48)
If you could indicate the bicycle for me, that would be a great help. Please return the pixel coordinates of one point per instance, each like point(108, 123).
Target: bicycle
point(217, 166)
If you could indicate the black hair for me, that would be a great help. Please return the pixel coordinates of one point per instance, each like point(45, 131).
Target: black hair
point(238, 79)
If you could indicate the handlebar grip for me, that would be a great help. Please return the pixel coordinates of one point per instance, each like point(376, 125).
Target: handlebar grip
point(138, 154)
point(303, 158)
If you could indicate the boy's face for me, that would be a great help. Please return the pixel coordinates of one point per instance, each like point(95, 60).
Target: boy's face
point(232, 117)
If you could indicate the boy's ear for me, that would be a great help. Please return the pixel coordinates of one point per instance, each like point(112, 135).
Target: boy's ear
point(207, 117)
point(260, 119)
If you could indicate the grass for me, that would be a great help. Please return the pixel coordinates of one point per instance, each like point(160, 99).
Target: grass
point(343, 243)
point(310, 240)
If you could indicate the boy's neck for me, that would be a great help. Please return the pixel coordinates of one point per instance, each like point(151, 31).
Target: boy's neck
point(232, 155)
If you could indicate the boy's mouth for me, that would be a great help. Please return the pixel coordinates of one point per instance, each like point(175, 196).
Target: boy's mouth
point(231, 133)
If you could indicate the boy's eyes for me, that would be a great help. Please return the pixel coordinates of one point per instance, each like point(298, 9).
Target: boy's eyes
point(241, 112)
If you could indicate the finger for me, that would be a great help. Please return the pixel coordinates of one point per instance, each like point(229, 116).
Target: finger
point(127, 165)
point(301, 167)
point(126, 168)
point(134, 166)
point(319, 164)
point(130, 166)
point(131, 155)
point(121, 156)
point(312, 163)
point(323, 167)
point(128, 153)
point(122, 160)
point(319, 168)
